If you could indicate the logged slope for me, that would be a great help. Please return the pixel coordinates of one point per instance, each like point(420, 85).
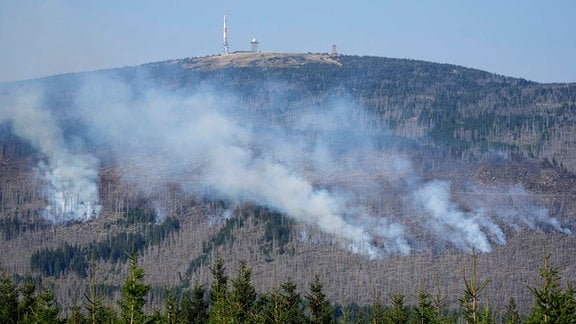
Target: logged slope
point(379, 173)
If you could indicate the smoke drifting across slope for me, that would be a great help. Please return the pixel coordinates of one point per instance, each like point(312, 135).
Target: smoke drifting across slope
point(321, 168)
point(70, 180)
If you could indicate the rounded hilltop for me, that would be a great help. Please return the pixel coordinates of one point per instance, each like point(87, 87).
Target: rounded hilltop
point(251, 59)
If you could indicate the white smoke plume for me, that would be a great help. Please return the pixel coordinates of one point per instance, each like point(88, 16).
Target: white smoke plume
point(512, 206)
point(448, 222)
point(70, 181)
point(317, 165)
point(201, 140)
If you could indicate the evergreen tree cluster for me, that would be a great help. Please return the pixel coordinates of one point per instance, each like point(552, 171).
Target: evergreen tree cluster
point(235, 300)
point(13, 226)
point(277, 234)
point(27, 303)
point(10, 227)
point(72, 258)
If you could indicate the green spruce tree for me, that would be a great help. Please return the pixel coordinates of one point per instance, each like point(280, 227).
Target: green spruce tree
point(46, 309)
point(439, 303)
point(469, 302)
point(76, 316)
point(243, 293)
point(171, 310)
point(222, 309)
point(271, 310)
point(285, 305)
point(320, 309)
point(106, 314)
point(398, 313)
point(552, 303)
point(291, 309)
point(512, 316)
point(134, 293)
point(194, 306)
point(425, 312)
point(93, 302)
point(378, 311)
point(219, 288)
point(27, 300)
point(8, 300)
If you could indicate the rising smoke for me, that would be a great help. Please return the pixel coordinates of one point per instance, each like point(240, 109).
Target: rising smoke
point(70, 180)
point(318, 166)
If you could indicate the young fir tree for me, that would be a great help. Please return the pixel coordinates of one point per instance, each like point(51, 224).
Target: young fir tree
point(469, 302)
point(243, 294)
point(319, 306)
point(171, 310)
point(271, 310)
point(93, 302)
point(258, 313)
point(378, 312)
point(425, 312)
point(27, 300)
point(219, 288)
point(76, 316)
point(46, 310)
point(512, 316)
point(284, 305)
point(291, 309)
point(439, 303)
point(97, 311)
point(552, 303)
point(194, 309)
point(398, 313)
point(221, 310)
point(155, 318)
point(134, 293)
point(352, 313)
point(8, 300)
point(106, 314)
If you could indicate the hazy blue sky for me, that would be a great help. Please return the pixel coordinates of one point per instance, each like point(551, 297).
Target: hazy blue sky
point(535, 40)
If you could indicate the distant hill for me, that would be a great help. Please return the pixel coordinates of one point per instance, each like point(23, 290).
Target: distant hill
point(456, 106)
point(381, 174)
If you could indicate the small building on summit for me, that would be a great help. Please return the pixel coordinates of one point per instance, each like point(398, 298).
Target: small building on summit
point(254, 46)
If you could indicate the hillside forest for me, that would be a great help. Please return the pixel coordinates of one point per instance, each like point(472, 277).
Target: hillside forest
point(306, 186)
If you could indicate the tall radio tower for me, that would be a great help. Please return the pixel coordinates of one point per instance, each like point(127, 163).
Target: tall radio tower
point(225, 46)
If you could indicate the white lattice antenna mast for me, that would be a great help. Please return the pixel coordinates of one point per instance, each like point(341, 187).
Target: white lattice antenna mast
point(225, 46)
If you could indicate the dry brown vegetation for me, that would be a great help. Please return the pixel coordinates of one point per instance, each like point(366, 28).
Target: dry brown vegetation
point(347, 277)
point(260, 60)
